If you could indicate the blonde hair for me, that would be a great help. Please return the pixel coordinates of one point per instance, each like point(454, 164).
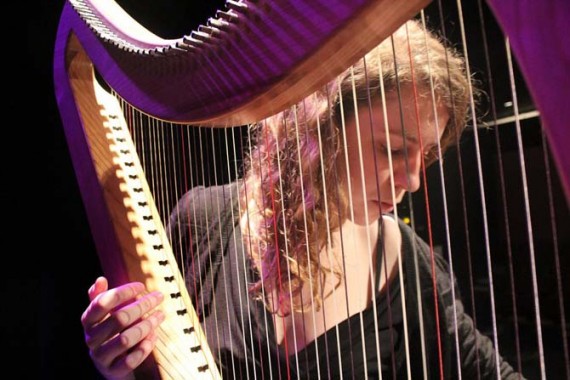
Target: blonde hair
point(294, 154)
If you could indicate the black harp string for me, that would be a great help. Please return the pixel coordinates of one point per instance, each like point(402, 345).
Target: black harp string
point(398, 91)
point(246, 243)
point(187, 261)
point(343, 238)
point(382, 240)
point(463, 197)
point(443, 190)
point(472, 110)
point(190, 251)
point(216, 182)
point(424, 179)
point(158, 151)
point(350, 203)
point(136, 124)
point(219, 235)
point(151, 157)
point(209, 170)
point(556, 254)
point(371, 268)
point(329, 243)
point(242, 186)
point(271, 316)
point(172, 173)
point(164, 145)
point(356, 120)
point(307, 248)
point(156, 166)
point(437, 128)
point(483, 202)
point(426, 187)
point(231, 157)
point(384, 257)
point(504, 203)
point(527, 211)
point(186, 181)
point(336, 188)
point(195, 231)
point(320, 282)
point(244, 261)
point(285, 238)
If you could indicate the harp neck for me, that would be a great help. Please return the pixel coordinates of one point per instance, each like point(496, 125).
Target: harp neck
point(230, 71)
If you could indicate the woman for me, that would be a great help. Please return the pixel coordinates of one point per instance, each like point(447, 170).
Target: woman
point(301, 267)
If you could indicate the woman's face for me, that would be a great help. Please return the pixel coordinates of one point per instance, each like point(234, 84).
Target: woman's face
point(407, 133)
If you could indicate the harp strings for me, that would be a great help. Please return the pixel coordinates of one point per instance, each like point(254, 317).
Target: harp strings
point(155, 159)
point(371, 269)
point(556, 253)
point(329, 243)
point(527, 211)
point(384, 258)
point(449, 257)
point(166, 139)
point(500, 166)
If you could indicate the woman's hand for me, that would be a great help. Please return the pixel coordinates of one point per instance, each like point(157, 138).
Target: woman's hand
point(119, 326)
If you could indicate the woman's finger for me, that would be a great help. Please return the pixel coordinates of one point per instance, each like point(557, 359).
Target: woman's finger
point(124, 350)
point(105, 302)
point(121, 319)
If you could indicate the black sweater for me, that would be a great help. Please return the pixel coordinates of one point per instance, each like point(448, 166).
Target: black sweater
point(204, 229)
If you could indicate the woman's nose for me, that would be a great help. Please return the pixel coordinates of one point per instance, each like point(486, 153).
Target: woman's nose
point(407, 175)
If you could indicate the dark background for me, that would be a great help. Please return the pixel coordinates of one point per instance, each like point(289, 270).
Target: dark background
point(56, 224)
point(52, 226)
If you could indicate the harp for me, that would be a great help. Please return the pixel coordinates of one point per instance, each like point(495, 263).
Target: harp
point(99, 46)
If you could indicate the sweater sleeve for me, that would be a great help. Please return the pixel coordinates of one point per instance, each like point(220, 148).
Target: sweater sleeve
point(477, 352)
point(192, 232)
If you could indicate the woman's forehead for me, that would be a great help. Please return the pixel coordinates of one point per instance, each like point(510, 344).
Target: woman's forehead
point(408, 116)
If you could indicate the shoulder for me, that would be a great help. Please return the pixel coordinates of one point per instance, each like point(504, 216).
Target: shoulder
point(416, 248)
point(203, 201)
point(204, 195)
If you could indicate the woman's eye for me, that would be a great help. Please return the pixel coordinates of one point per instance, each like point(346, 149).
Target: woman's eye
point(393, 152)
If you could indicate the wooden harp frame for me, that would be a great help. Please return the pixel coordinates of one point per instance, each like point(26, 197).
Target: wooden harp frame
point(150, 73)
point(118, 202)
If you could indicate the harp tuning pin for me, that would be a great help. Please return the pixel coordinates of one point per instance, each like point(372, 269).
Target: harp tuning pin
point(217, 23)
point(158, 52)
point(210, 31)
point(184, 46)
point(229, 16)
point(238, 6)
point(200, 36)
point(168, 51)
point(190, 42)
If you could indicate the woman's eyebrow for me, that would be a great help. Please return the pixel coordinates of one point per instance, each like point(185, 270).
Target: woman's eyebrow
point(409, 138)
point(392, 132)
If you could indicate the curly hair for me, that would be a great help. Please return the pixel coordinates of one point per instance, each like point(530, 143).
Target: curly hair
point(290, 195)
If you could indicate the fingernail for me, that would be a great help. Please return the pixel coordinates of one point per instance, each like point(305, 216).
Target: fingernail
point(134, 357)
point(158, 295)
